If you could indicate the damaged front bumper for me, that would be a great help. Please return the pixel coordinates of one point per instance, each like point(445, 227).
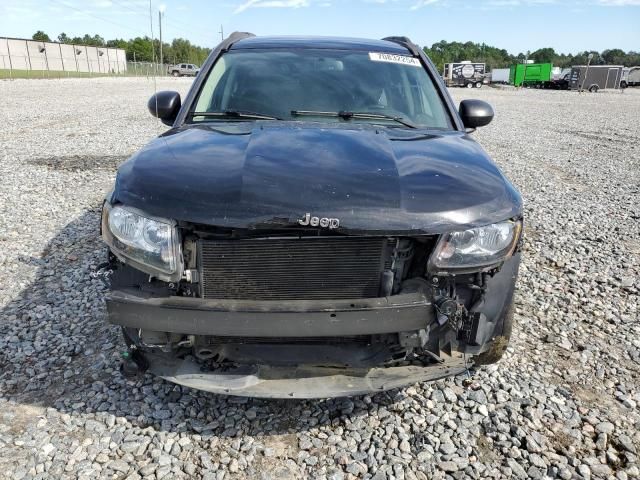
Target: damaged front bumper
point(362, 373)
point(298, 382)
point(315, 348)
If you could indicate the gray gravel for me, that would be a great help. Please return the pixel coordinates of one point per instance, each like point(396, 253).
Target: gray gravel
point(563, 403)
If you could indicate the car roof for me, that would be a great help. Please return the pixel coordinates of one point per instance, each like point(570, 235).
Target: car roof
point(337, 43)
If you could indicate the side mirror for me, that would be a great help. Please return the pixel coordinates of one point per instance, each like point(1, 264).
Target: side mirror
point(475, 113)
point(165, 106)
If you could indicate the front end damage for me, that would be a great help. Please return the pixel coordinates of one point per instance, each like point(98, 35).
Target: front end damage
point(298, 313)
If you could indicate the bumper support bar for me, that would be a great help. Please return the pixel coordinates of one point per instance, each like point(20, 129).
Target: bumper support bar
point(294, 318)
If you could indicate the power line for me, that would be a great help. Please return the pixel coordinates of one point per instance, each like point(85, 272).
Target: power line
point(84, 12)
point(187, 30)
point(131, 9)
point(196, 40)
point(139, 12)
point(171, 21)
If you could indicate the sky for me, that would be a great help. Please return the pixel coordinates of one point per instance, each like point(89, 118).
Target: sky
point(569, 26)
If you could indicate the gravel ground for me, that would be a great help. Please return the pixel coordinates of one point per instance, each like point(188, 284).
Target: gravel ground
point(563, 403)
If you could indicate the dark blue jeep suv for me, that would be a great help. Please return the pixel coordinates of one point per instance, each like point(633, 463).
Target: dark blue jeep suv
point(316, 222)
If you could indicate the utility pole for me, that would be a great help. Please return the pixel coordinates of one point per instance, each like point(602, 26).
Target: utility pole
point(221, 33)
point(160, 12)
point(586, 71)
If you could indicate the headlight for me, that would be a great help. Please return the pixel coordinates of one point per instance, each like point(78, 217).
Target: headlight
point(151, 244)
point(477, 247)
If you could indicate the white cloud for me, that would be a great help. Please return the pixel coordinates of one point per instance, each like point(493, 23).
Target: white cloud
point(518, 3)
point(619, 3)
point(271, 4)
point(423, 3)
point(418, 4)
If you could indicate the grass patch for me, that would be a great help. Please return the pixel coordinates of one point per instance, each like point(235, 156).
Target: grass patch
point(9, 74)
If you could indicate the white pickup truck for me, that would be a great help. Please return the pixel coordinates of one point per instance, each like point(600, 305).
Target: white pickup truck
point(184, 69)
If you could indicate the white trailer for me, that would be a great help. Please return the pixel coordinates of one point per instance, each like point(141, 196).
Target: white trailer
point(500, 75)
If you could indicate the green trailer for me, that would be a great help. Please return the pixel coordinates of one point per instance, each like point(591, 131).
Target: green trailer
point(531, 75)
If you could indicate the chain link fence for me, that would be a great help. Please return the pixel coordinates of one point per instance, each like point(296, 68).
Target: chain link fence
point(132, 69)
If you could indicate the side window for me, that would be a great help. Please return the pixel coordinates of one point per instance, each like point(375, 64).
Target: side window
point(211, 96)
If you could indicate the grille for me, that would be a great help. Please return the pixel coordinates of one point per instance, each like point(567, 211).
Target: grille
point(292, 268)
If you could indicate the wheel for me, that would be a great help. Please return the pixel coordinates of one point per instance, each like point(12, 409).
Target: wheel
point(469, 85)
point(623, 84)
point(478, 85)
point(175, 73)
point(593, 88)
point(500, 340)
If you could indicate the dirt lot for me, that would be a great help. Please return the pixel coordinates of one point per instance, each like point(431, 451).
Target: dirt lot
point(564, 403)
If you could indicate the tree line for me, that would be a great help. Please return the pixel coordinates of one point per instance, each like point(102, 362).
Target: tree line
point(180, 50)
point(446, 52)
point(139, 49)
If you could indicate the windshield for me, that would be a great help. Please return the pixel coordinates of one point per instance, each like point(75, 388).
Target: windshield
point(283, 84)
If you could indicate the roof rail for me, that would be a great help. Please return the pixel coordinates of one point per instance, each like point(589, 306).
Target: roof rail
point(405, 42)
point(233, 38)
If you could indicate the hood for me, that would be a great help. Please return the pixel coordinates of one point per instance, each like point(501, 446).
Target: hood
point(373, 179)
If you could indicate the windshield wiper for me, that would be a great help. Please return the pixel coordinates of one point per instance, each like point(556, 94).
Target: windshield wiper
point(235, 114)
point(349, 115)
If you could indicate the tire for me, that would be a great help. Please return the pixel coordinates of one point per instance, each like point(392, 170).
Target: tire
point(175, 73)
point(593, 89)
point(478, 85)
point(469, 85)
point(623, 84)
point(500, 341)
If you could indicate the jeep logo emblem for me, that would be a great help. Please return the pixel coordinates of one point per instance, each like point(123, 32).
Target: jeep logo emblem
point(308, 220)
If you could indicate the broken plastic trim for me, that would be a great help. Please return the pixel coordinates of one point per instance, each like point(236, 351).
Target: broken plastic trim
point(299, 382)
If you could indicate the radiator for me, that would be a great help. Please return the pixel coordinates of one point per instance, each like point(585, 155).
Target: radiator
point(292, 268)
